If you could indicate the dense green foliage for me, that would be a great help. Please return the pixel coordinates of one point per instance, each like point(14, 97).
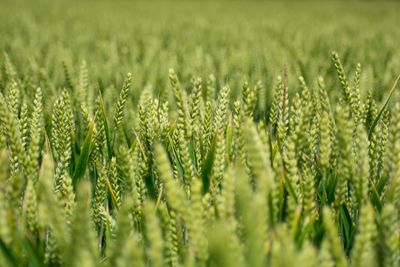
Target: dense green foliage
point(199, 134)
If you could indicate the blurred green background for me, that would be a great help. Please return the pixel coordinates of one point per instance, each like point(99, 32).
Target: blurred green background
point(234, 40)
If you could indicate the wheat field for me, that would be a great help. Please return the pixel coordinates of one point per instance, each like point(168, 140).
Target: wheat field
point(188, 133)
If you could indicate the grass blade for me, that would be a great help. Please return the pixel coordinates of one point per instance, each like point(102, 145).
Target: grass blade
point(376, 120)
point(84, 156)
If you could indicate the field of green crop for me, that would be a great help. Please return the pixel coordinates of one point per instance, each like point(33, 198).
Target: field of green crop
point(188, 133)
